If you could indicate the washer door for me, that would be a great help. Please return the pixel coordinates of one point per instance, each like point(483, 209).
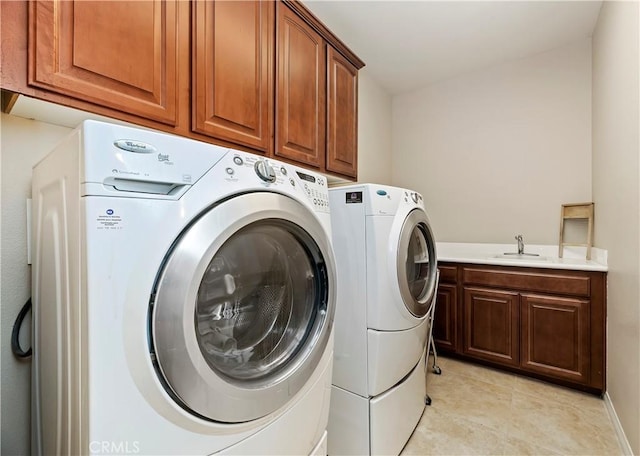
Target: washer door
point(244, 307)
point(416, 263)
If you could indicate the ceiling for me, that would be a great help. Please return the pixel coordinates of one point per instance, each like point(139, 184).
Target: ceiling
point(407, 45)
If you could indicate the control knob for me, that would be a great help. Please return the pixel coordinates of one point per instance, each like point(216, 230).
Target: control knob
point(265, 171)
point(414, 197)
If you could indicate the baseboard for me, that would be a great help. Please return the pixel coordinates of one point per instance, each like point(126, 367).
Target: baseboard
point(622, 438)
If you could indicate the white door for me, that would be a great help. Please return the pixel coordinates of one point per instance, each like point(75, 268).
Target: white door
point(243, 308)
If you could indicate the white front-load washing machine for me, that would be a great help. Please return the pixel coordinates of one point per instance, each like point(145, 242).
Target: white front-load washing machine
point(387, 275)
point(183, 299)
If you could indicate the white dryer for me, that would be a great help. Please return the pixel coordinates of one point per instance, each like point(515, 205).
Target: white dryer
point(183, 299)
point(387, 268)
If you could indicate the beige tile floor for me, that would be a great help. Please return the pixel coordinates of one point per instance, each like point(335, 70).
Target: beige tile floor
point(482, 411)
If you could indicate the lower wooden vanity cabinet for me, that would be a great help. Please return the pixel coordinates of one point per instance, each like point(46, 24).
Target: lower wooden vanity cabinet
point(556, 336)
point(491, 325)
point(445, 323)
point(544, 323)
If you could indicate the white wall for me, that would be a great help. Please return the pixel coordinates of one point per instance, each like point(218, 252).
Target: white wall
point(616, 186)
point(496, 152)
point(374, 131)
point(23, 144)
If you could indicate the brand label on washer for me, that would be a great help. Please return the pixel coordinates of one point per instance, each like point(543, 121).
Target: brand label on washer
point(353, 197)
point(131, 145)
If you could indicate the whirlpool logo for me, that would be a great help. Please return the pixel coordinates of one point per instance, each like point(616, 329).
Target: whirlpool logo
point(114, 447)
point(137, 147)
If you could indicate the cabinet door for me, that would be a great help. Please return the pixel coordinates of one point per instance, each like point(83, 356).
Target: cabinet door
point(556, 337)
point(445, 333)
point(342, 115)
point(491, 320)
point(122, 55)
point(233, 64)
point(300, 91)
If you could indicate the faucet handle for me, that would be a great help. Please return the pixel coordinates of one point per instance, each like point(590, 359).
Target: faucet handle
point(520, 244)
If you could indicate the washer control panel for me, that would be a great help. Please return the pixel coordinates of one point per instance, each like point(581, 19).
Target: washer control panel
point(274, 174)
point(315, 187)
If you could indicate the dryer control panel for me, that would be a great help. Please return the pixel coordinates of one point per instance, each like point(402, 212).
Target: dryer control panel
point(413, 196)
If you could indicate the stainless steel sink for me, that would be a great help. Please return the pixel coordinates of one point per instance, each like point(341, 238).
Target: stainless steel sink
point(521, 256)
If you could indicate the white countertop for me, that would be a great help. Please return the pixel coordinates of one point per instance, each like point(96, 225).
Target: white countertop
point(573, 257)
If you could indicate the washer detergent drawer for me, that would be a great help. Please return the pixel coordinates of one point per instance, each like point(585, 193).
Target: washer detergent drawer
point(395, 414)
point(392, 354)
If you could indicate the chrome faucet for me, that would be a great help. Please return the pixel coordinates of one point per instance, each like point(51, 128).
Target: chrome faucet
point(520, 244)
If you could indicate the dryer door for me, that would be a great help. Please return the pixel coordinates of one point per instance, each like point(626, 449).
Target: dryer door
point(243, 308)
point(416, 263)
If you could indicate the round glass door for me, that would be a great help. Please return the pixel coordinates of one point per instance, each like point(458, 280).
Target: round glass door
point(417, 264)
point(243, 308)
point(257, 300)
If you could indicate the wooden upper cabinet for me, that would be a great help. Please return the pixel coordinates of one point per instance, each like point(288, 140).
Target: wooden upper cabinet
point(342, 115)
point(122, 55)
point(233, 71)
point(265, 76)
point(300, 90)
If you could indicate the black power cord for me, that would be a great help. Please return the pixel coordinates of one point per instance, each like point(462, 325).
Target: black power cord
point(18, 352)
